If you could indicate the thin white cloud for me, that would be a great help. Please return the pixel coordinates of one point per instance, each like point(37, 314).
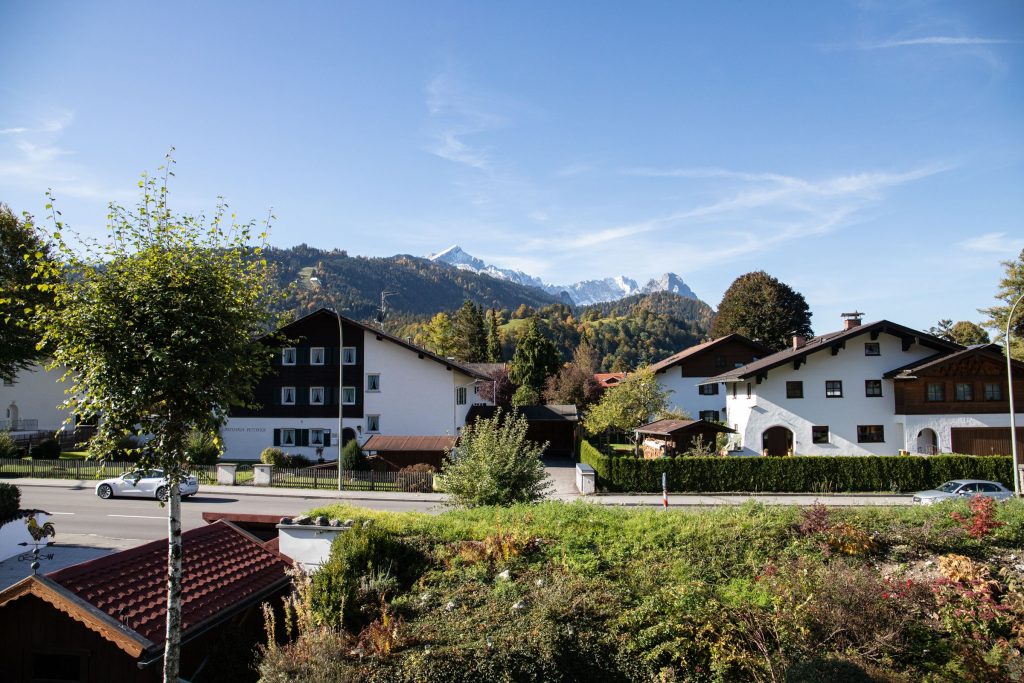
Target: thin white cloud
point(12, 131)
point(942, 41)
point(457, 113)
point(993, 243)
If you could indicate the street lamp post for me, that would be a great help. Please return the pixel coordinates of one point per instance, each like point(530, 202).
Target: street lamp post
point(1009, 386)
point(315, 281)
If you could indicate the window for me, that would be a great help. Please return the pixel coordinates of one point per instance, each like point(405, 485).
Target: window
point(319, 437)
point(870, 433)
point(287, 437)
point(288, 356)
point(963, 391)
point(833, 388)
point(373, 423)
point(316, 355)
point(708, 390)
point(316, 396)
point(709, 415)
point(373, 382)
point(287, 396)
point(460, 396)
point(993, 392)
point(348, 396)
point(349, 355)
point(872, 388)
point(935, 392)
point(872, 349)
point(819, 434)
point(794, 389)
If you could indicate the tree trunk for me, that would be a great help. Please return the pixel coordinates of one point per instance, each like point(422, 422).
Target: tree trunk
point(172, 649)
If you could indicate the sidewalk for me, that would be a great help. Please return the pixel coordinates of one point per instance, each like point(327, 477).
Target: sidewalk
point(635, 500)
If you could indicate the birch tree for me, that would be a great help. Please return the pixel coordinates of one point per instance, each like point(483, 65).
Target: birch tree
point(155, 328)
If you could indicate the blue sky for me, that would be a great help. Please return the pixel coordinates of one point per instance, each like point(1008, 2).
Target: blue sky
point(870, 154)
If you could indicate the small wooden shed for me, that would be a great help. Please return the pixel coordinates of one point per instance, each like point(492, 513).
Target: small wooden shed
point(666, 438)
point(391, 453)
point(555, 424)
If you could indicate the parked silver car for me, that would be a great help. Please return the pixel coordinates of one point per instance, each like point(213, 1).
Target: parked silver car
point(963, 488)
point(143, 484)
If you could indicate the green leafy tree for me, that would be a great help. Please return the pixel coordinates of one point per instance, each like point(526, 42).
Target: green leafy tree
point(536, 358)
point(20, 247)
point(493, 338)
point(470, 338)
point(764, 309)
point(439, 335)
point(963, 332)
point(575, 383)
point(156, 329)
point(353, 458)
point(1011, 287)
point(629, 405)
point(525, 396)
point(495, 464)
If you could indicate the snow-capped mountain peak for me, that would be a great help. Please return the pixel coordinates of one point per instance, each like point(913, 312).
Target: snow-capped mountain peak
point(581, 293)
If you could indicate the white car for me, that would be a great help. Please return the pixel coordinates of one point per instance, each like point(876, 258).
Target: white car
point(963, 488)
point(143, 484)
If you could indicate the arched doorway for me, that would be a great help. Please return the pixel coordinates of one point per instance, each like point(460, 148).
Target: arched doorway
point(347, 434)
point(777, 441)
point(927, 442)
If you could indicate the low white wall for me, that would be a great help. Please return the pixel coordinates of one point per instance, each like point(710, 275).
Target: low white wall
point(308, 545)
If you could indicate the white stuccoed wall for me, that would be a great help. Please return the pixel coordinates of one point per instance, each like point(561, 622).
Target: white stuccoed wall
point(768, 406)
point(684, 394)
point(37, 393)
point(943, 425)
point(245, 437)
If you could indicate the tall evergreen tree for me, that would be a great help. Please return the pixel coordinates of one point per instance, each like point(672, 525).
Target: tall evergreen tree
point(493, 338)
point(1011, 287)
point(764, 309)
point(469, 335)
point(536, 358)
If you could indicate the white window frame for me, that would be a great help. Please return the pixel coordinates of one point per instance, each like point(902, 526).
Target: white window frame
point(313, 350)
point(289, 352)
point(312, 392)
point(316, 436)
point(461, 396)
point(370, 427)
point(284, 391)
point(345, 360)
point(347, 390)
point(373, 375)
point(285, 440)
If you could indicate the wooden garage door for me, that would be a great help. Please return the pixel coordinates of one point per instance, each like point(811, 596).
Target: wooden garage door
point(985, 440)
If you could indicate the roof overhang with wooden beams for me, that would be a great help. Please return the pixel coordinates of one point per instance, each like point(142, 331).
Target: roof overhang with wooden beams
point(983, 353)
point(706, 347)
point(834, 342)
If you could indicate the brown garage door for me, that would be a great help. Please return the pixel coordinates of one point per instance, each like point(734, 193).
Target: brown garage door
point(985, 440)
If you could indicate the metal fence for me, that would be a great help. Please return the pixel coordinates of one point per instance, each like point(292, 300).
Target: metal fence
point(353, 480)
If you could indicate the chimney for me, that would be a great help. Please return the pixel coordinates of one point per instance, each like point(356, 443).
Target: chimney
point(851, 320)
point(798, 341)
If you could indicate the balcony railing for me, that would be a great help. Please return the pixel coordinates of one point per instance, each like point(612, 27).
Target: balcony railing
point(19, 425)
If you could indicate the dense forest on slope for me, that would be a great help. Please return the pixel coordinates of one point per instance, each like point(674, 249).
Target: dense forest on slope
point(419, 286)
point(626, 334)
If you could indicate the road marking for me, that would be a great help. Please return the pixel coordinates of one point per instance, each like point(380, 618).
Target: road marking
point(137, 516)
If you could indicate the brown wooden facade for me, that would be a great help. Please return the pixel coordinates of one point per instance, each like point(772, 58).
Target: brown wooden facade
point(713, 357)
point(973, 369)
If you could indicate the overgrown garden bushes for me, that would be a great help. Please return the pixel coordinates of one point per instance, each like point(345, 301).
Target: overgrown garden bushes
point(797, 474)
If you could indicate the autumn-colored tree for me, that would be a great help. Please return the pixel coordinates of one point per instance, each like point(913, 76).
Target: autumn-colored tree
point(574, 383)
point(439, 335)
point(499, 389)
point(629, 405)
point(762, 308)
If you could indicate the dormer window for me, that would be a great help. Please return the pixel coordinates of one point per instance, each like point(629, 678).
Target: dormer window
point(316, 355)
point(288, 356)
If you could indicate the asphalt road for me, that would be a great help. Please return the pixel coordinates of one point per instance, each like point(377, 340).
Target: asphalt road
point(83, 519)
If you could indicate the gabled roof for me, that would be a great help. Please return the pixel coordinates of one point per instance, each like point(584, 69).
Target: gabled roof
point(123, 596)
point(609, 379)
point(707, 347)
point(381, 334)
point(833, 341)
point(545, 413)
point(910, 370)
point(670, 427)
point(390, 442)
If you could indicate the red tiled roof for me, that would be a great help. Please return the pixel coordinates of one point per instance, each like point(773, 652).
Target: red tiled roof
point(222, 567)
point(607, 379)
point(389, 442)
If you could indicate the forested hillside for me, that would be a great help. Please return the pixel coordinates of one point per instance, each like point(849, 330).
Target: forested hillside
point(419, 286)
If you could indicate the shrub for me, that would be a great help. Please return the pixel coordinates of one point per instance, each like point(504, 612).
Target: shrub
point(495, 464)
point(272, 455)
point(409, 478)
point(297, 460)
point(10, 502)
point(201, 449)
point(982, 521)
point(352, 457)
point(525, 396)
point(47, 449)
point(8, 447)
point(796, 474)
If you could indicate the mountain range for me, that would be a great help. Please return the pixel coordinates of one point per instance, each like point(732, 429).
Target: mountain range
point(583, 293)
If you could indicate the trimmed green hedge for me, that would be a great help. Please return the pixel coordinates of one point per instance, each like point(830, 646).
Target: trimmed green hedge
point(10, 501)
point(798, 474)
